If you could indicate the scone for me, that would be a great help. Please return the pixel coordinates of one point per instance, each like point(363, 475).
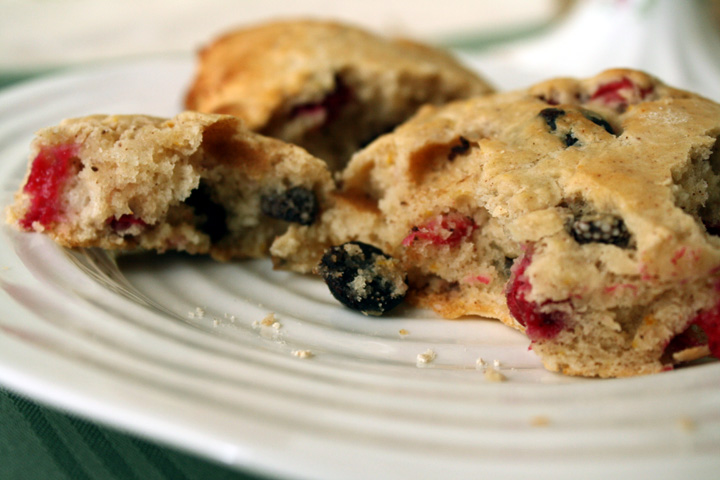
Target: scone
point(325, 86)
point(582, 212)
point(198, 183)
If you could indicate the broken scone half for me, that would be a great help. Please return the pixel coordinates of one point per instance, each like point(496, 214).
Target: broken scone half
point(581, 212)
point(198, 183)
point(328, 87)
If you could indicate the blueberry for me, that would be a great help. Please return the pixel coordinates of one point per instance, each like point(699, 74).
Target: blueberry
point(598, 120)
point(460, 149)
point(297, 205)
point(570, 139)
point(212, 217)
point(600, 228)
point(507, 266)
point(363, 278)
point(375, 135)
point(712, 229)
point(550, 115)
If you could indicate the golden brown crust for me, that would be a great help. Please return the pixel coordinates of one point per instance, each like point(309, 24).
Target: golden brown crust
point(263, 73)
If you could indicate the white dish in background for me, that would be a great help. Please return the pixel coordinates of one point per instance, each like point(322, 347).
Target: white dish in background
point(676, 41)
point(169, 347)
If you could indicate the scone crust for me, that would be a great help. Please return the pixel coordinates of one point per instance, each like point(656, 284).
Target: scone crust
point(250, 72)
point(278, 77)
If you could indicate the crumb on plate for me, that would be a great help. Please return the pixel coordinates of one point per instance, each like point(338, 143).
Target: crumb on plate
point(539, 421)
point(303, 353)
point(687, 424)
point(493, 375)
point(427, 357)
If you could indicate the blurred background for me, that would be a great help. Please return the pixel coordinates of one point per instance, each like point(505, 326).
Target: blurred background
point(514, 42)
point(40, 33)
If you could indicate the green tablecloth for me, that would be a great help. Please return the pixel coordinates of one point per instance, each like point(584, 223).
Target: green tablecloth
point(40, 443)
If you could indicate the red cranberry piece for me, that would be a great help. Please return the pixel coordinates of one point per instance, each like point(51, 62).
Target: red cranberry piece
point(450, 229)
point(548, 100)
point(125, 222)
point(517, 288)
point(609, 93)
point(50, 171)
point(709, 322)
point(538, 325)
point(329, 107)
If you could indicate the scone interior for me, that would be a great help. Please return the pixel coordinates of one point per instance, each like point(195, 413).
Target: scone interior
point(328, 87)
point(198, 183)
point(581, 212)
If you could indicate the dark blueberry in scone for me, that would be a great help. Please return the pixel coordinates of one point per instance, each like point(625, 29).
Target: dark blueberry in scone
point(550, 115)
point(598, 120)
point(363, 278)
point(600, 228)
point(297, 205)
point(570, 139)
point(212, 217)
point(460, 149)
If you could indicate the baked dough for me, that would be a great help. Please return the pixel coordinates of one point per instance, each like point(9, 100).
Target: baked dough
point(199, 183)
point(581, 212)
point(328, 87)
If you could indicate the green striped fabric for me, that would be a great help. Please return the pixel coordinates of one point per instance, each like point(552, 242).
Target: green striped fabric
point(37, 442)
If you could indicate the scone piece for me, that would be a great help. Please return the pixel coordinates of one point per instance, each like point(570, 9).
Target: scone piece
point(327, 87)
point(582, 212)
point(198, 183)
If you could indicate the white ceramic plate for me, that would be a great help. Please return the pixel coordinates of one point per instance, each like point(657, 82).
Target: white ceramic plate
point(170, 347)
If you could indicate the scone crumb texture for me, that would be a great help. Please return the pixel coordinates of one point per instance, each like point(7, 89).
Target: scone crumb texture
point(304, 354)
point(427, 357)
point(539, 421)
point(493, 375)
